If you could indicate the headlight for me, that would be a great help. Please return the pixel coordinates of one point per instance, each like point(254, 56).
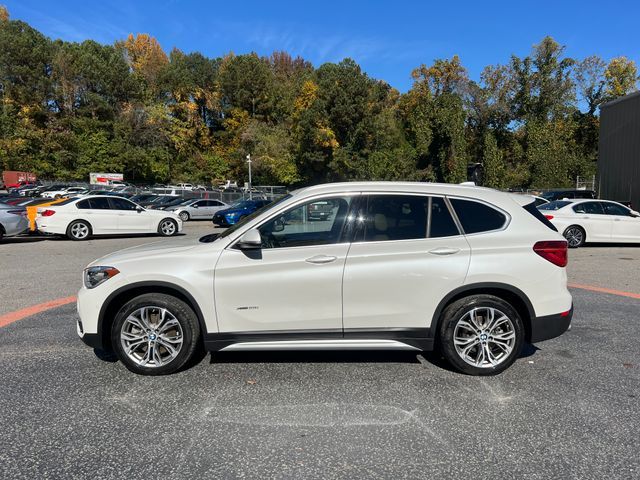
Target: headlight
point(94, 276)
point(232, 215)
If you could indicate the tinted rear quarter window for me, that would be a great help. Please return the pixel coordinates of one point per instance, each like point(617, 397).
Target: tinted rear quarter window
point(476, 217)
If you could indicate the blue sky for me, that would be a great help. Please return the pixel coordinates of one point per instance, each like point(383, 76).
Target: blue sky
point(387, 38)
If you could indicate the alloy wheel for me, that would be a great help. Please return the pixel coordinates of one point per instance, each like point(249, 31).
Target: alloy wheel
point(484, 337)
point(168, 227)
point(151, 336)
point(574, 236)
point(80, 230)
point(184, 216)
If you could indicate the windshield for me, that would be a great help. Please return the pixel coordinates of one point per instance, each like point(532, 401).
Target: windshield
point(557, 205)
point(260, 211)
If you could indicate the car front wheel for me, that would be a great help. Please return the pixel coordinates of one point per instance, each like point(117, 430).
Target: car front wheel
point(184, 216)
point(481, 335)
point(168, 227)
point(155, 334)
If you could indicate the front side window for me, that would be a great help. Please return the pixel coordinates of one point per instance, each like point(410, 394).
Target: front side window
point(615, 209)
point(299, 227)
point(100, 203)
point(121, 204)
point(476, 217)
point(593, 208)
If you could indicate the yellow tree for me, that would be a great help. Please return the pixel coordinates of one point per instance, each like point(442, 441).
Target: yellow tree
point(145, 56)
point(4, 14)
point(621, 76)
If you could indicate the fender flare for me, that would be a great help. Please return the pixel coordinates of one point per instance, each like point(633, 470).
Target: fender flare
point(149, 286)
point(479, 288)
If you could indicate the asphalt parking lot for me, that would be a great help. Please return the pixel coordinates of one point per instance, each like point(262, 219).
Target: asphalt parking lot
point(568, 408)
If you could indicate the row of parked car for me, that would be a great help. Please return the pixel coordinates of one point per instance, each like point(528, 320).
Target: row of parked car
point(80, 214)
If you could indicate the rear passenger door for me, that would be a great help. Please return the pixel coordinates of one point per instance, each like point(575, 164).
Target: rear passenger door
point(407, 254)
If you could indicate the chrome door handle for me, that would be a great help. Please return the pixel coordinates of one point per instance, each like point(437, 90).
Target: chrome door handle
point(320, 259)
point(444, 251)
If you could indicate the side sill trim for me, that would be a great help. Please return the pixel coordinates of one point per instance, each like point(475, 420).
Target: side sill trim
point(417, 339)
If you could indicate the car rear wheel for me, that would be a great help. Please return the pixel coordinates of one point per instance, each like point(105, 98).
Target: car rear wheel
point(481, 335)
point(79, 230)
point(155, 334)
point(575, 236)
point(184, 216)
point(168, 227)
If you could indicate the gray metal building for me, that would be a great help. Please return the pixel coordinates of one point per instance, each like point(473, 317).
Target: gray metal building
point(619, 150)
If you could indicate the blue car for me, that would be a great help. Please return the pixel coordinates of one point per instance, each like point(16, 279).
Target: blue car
point(237, 211)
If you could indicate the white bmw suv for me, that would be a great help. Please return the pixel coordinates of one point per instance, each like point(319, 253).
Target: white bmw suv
point(470, 271)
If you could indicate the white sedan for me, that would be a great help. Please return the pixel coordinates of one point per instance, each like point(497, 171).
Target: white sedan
point(65, 192)
point(80, 218)
point(593, 221)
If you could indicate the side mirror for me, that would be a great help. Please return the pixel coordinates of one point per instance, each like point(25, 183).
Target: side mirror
point(195, 205)
point(139, 209)
point(634, 213)
point(250, 240)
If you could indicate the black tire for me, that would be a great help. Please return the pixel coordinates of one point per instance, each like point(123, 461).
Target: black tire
point(1, 233)
point(164, 228)
point(79, 230)
point(458, 312)
point(575, 235)
point(184, 216)
point(185, 316)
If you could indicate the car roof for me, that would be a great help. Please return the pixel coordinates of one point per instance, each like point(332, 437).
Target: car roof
point(469, 191)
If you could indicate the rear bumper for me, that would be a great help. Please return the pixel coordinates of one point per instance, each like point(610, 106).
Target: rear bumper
point(550, 326)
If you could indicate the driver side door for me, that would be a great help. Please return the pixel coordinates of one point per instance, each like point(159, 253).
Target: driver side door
point(293, 284)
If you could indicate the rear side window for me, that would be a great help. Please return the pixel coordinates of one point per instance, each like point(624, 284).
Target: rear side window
point(83, 205)
point(441, 223)
point(477, 217)
point(395, 217)
point(555, 205)
point(594, 208)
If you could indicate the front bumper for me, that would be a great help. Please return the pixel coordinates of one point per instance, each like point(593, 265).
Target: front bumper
point(550, 326)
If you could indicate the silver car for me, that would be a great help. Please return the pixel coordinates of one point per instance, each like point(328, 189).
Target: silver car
point(198, 208)
point(13, 220)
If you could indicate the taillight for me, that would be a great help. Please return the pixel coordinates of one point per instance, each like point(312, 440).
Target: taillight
point(48, 213)
point(548, 217)
point(555, 251)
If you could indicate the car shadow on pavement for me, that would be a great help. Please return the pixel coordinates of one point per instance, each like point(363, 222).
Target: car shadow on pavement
point(337, 356)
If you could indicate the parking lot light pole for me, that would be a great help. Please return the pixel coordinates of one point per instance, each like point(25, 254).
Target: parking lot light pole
point(249, 162)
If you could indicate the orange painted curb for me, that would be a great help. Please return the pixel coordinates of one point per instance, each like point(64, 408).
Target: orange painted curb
point(604, 290)
point(9, 318)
